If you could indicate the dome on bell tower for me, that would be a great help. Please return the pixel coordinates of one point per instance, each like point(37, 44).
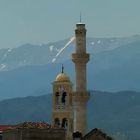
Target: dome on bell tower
point(62, 77)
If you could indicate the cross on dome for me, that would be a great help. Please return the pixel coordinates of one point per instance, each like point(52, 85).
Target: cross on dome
point(62, 68)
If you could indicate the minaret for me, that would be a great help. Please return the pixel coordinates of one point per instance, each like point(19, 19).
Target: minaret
point(81, 95)
point(62, 113)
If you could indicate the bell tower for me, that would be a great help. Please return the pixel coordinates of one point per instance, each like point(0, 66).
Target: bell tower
point(62, 114)
point(80, 95)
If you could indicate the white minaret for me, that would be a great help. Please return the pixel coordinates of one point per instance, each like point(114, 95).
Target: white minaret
point(81, 95)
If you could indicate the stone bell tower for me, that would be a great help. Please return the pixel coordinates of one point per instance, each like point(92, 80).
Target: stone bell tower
point(62, 113)
point(81, 95)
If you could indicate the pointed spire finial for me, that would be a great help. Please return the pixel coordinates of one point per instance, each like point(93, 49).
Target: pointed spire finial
point(62, 68)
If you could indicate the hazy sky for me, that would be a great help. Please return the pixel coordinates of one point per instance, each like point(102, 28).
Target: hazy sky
point(42, 21)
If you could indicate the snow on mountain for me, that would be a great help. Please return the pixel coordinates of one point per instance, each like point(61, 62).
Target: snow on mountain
point(53, 60)
point(63, 48)
point(99, 41)
point(9, 50)
point(57, 50)
point(51, 48)
point(2, 67)
point(92, 43)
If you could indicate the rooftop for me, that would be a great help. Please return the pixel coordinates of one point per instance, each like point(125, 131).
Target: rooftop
point(27, 125)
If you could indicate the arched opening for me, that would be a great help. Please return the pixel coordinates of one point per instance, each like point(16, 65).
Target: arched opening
point(64, 94)
point(64, 123)
point(57, 122)
point(57, 97)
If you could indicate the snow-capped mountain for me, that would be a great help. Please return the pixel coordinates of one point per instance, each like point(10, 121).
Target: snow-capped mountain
point(30, 69)
point(43, 54)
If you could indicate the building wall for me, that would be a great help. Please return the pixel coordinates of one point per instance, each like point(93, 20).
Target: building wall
point(34, 134)
point(0, 136)
point(11, 135)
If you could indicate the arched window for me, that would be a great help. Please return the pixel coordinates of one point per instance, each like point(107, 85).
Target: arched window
point(57, 122)
point(57, 97)
point(63, 99)
point(64, 123)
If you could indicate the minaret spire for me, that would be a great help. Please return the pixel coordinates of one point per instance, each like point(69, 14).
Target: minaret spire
point(80, 18)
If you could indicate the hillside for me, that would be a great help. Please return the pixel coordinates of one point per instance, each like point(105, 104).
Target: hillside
point(112, 112)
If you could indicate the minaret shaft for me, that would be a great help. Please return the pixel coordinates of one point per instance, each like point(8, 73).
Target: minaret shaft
point(80, 77)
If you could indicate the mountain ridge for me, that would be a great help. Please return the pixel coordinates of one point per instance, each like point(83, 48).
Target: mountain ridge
point(29, 54)
point(112, 67)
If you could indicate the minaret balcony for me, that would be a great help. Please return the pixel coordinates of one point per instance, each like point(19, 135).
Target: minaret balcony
point(80, 58)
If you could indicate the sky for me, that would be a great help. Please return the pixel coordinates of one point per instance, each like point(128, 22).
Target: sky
point(44, 21)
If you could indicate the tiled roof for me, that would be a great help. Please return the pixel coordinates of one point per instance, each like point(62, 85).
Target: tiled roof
point(4, 127)
point(26, 125)
point(39, 125)
point(98, 133)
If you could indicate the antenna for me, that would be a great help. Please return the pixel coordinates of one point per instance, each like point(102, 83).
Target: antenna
point(80, 18)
